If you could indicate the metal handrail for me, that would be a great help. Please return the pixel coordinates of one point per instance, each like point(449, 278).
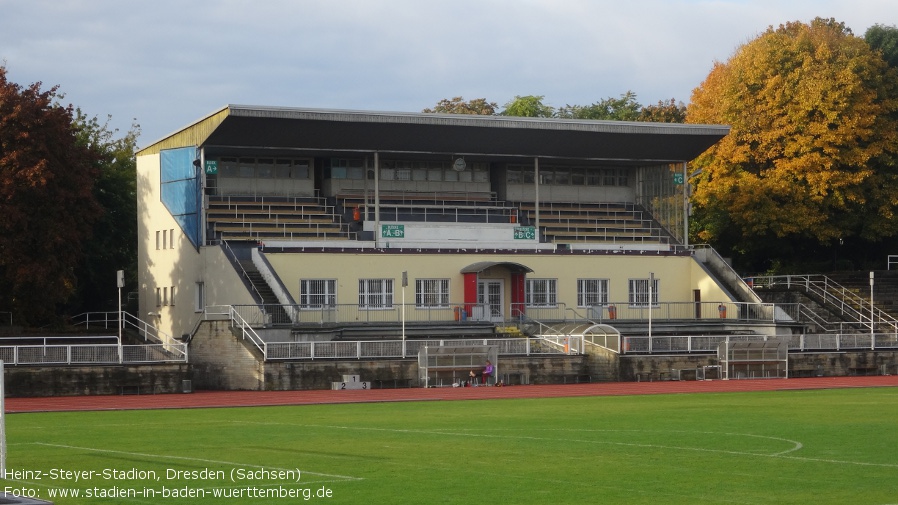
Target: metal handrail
point(242, 270)
point(96, 354)
point(109, 320)
point(246, 331)
point(849, 302)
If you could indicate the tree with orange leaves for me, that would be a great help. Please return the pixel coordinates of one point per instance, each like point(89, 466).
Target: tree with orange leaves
point(811, 155)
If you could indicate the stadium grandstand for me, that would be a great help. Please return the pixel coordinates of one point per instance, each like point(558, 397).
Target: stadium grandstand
point(271, 237)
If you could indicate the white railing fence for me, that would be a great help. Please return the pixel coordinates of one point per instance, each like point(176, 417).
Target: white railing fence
point(266, 315)
point(828, 342)
point(93, 354)
point(110, 321)
point(394, 348)
point(847, 302)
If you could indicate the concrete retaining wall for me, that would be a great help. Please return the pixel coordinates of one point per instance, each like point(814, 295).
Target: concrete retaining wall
point(320, 374)
point(634, 368)
point(30, 381)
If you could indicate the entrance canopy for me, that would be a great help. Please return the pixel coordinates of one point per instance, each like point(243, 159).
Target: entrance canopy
point(480, 266)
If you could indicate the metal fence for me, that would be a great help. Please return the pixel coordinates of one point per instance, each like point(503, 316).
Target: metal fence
point(110, 321)
point(398, 348)
point(96, 354)
point(279, 315)
point(828, 342)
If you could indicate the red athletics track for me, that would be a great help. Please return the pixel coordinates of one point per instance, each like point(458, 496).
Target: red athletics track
point(201, 399)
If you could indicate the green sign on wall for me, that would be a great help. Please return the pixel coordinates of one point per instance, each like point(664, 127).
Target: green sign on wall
point(392, 230)
point(211, 167)
point(524, 233)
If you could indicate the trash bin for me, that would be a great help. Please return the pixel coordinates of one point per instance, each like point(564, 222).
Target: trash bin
point(186, 386)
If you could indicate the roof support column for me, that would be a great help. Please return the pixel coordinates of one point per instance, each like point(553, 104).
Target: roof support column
point(536, 195)
point(376, 199)
point(685, 206)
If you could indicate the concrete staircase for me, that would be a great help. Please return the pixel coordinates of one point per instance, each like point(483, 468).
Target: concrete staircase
point(263, 292)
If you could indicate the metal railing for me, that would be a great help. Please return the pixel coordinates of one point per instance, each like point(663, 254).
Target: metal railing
point(828, 342)
point(849, 303)
point(243, 328)
point(562, 345)
point(362, 349)
point(110, 321)
point(265, 315)
point(97, 354)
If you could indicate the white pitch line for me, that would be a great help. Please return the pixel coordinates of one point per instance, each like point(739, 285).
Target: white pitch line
point(186, 458)
point(781, 455)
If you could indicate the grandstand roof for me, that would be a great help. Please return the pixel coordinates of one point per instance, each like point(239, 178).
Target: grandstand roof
point(235, 129)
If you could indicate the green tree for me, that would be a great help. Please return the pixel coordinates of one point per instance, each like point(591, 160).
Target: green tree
point(669, 111)
point(458, 105)
point(625, 108)
point(114, 243)
point(528, 106)
point(47, 200)
point(885, 40)
point(809, 160)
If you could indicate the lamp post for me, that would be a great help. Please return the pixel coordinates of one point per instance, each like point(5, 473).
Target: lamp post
point(872, 336)
point(651, 285)
point(120, 281)
point(404, 284)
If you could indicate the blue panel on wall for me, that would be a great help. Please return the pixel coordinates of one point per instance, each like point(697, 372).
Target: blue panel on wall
point(180, 189)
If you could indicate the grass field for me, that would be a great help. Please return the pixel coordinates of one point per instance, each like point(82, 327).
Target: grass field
point(825, 446)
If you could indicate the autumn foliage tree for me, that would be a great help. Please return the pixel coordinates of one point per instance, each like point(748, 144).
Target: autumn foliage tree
point(810, 160)
point(47, 202)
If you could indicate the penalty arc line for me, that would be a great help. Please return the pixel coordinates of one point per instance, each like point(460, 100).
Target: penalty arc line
point(186, 458)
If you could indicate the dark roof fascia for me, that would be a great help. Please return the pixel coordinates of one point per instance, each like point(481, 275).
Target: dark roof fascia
point(470, 120)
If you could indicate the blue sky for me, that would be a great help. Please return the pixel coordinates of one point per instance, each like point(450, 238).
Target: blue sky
point(168, 63)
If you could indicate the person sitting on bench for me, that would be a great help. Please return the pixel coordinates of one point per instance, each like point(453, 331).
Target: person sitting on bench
point(487, 372)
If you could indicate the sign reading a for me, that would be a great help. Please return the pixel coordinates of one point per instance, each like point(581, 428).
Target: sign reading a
point(211, 167)
point(524, 233)
point(392, 230)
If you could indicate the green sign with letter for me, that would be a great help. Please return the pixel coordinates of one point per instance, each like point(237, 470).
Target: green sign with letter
point(211, 167)
point(524, 233)
point(392, 230)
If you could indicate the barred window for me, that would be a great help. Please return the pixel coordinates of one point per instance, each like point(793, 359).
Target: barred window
point(376, 293)
point(639, 293)
point(317, 293)
point(592, 292)
point(540, 292)
point(430, 293)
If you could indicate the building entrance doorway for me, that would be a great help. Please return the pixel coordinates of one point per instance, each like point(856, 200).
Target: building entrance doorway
point(490, 301)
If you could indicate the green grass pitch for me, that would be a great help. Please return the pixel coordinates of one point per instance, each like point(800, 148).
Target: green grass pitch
point(801, 447)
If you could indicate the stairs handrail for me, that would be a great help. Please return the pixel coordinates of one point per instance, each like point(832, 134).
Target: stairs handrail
point(246, 330)
point(243, 273)
point(847, 300)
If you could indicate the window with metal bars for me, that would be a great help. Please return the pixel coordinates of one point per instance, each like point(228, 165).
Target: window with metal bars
point(639, 293)
point(431, 293)
point(375, 293)
point(317, 293)
point(540, 292)
point(592, 292)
